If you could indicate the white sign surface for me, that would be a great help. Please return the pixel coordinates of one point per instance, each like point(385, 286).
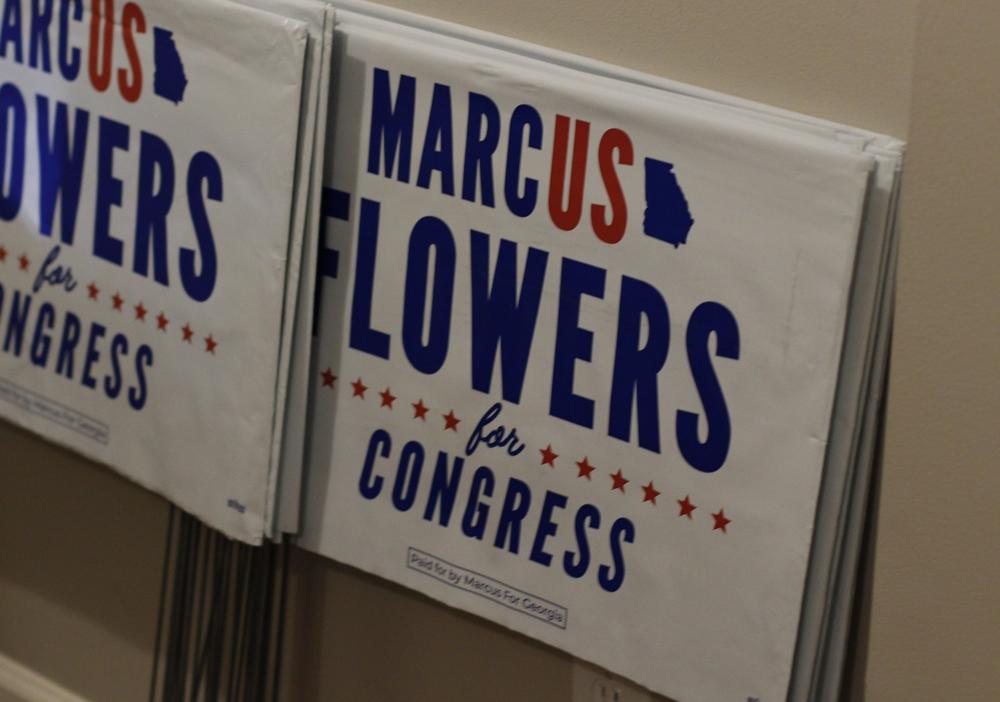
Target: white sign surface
point(578, 349)
point(147, 158)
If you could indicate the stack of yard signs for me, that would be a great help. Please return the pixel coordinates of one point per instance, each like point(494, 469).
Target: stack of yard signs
point(599, 355)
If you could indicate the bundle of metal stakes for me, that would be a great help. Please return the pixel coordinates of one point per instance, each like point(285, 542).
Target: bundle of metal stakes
point(220, 621)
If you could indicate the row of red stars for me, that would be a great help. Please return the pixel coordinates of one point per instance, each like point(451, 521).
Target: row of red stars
point(117, 301)
point(584, 467)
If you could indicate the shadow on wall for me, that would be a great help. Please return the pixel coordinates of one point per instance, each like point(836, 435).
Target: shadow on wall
point(80, 567)
point(356, 637)
point(81, 554)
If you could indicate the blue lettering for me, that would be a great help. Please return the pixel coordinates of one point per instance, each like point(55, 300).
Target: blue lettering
point(428, 233)
point(69, 59)
point(610, 578)
point(16, 322)
point(709, 455)
point(13, 118)
point(411, 461)
point(370, 485)
point(515, 508)
point(67, 345)
point(153, 206)
point(92, 356)
point(38, 45)
point(572, 342)
point(41, 344)
point(636, 369)
point(10, 30)
point(143, 360)
point(576, 564)
point(363, 337)
point(61, 166)
point(204, 169)
point(479, 148)
point(497, 437)
point(112, 135)
point(546, 527)
point(50, 274)
point(523, 116)
point(335, 204)
point(444, 489)
point(477, 511)
point(113, 383)
point(391, 126)
point(502, 319)
point(439, 130)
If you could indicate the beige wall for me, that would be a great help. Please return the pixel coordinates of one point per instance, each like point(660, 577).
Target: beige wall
point(936, 612)
point(80, 549)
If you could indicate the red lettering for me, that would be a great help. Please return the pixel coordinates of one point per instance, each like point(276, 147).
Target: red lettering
point(568, 217)
point(99, 60)
point(614, 140)
point(132, 21)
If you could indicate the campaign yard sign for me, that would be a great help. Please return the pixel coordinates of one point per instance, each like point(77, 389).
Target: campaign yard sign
point(578, 349)
point(147, 156)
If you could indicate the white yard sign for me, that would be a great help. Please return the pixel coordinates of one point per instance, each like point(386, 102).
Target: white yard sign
point(578, 349)
point(147, 157)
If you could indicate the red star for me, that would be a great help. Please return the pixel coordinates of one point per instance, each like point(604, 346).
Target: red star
point(618, 481)
point(651, 493)
point(359, 388)
point(720, 520)
point(548, 456)
point(387, 398)
point(328, 378)
point(210, 344)
point(451, 421)
point(162, 322)
point(585, 468)
point(24, 262)
point(687, 509)
point(92, 291)
point(3, 254)
point(140, 312)
point(419, 410)
point(188, 332)
point(117, 301)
